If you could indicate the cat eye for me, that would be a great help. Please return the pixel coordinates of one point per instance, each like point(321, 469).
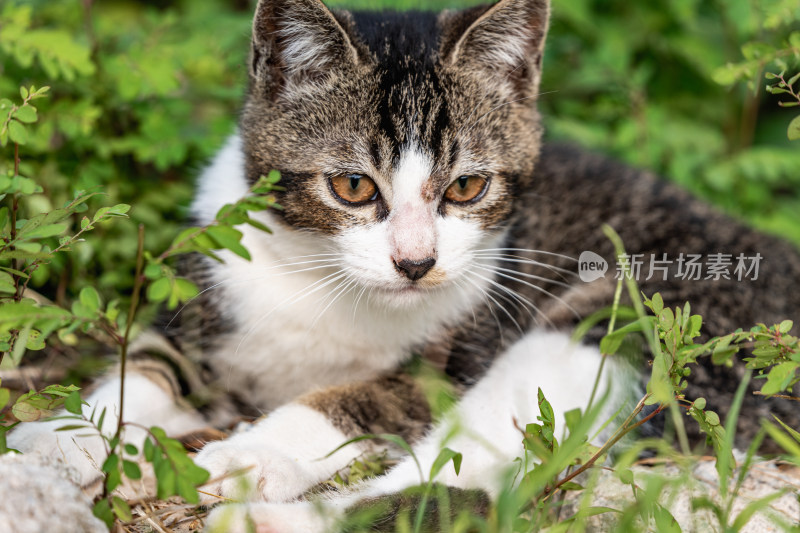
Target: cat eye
point(354, 188)
point(466, 189)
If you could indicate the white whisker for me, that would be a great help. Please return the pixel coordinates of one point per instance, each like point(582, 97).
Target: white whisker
point(535, 287)
point(526, 250)
point(508, 258)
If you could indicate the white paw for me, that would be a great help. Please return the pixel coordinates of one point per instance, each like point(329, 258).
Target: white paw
point(83, 454)
point(278, 458)
point(245, 470)
point(303, 517)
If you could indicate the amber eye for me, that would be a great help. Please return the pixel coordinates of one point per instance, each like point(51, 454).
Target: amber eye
point(354, 188)
point(466, 189)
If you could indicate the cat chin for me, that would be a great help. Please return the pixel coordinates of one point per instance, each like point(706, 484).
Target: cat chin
point(407, 296)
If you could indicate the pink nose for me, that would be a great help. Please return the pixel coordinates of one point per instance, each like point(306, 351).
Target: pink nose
point(414, 270)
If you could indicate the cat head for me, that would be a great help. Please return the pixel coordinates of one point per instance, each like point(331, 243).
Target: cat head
point(403, 139)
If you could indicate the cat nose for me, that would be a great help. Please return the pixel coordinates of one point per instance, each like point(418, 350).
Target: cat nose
point(414, 270)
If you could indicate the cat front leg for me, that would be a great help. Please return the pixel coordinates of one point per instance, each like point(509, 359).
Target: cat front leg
point(481, 427)
point(149, 399)
point(286, 454)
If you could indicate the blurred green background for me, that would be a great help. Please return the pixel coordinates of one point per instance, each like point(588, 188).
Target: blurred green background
point(144, 92)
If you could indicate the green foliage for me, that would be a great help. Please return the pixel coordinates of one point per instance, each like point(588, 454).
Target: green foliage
point(641, 80)
point(26, 323)
point(139, 96)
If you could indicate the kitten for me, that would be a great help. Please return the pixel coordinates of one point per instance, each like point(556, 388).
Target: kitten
point(420, 214)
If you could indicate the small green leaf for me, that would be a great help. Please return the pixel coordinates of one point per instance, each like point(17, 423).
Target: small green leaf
point(159, 290)
point(102, 510)
point(149, 450)
point(5, 396)
point(130, 449)
point(50, 230)
point(121, 509)
point(111, 463)
point(152, 271)
point(73, 403)
point(794, 129)
point(91, 299)
point(442, 459)
point(187, 491)
point(131, 469)
point(26, 114)
point(227, 237)
point(700, 403)
point(17, 132)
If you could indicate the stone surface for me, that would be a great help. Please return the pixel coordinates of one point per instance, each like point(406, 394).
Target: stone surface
point(39, 494)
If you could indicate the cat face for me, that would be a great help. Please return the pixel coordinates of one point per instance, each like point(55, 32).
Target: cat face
point(402, 139)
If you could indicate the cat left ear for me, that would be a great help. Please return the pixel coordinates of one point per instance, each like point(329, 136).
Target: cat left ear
point(297, 41)
point(505, 43)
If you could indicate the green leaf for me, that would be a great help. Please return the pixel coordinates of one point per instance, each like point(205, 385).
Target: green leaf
point(159, 290)
point(779, 378)
point(187, 490)
point(50, 230)
point(33, 409)
point(149, 450)
point(131, 469)
point(130, 449)
point(785, 326)
point(17, 132)
point(113, 480)
point(73, 403)
point(165, 479)
point(102, 510)
point(794, 129)
point(664, 520)
point(229, 238)
point(700, 403)
point(442, 459)
point(91, 299)
point(7, 283)
point(26, 114)
point(71, 427)
point(186, 289)
point(795, 435)
point(111, 463)
point(5, 396)
point(152, 271)
point(121, 509)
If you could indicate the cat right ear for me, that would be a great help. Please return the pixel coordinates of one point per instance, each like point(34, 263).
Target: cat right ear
point(504, 43)
point(296, 42)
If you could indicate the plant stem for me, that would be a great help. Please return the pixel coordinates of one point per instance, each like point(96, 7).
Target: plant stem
point(137, 289)
point(611, 323)
point(623, 430)
point(13, 237)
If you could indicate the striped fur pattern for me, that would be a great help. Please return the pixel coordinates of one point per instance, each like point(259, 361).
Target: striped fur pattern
point(317, 329)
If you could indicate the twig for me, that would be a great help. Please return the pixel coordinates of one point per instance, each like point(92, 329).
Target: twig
point(137, 288)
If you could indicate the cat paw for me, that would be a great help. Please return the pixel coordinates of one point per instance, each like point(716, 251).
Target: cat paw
point(302, 517)
point(245, 471)
point(83, 454)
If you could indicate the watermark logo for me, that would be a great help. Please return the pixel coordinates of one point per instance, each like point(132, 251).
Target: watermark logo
point(591, 266)
point(689, 267)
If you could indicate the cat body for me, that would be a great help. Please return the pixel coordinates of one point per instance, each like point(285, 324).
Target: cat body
point(420, 214)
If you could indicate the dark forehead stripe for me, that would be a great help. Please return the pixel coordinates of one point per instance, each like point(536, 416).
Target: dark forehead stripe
point(405, 45)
